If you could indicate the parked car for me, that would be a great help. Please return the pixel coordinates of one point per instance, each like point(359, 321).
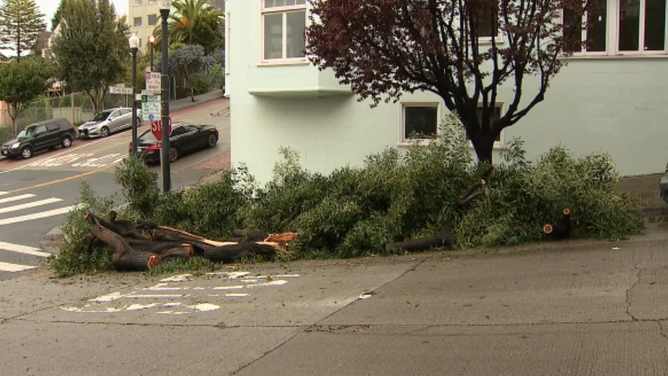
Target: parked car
point(107, 122)
point(41, 136)
point(185, 138)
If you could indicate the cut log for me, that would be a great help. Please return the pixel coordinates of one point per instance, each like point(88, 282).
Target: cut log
point(249, 235)
point(561, 230)
point(444, 239)
point(165, 249)
point(125, 257)
point(232, 252)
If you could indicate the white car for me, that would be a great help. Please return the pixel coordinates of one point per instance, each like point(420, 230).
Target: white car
point(107, 122)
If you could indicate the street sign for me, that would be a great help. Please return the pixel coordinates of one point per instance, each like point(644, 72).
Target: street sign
point(156, 129)
point(150, 107)
point(120, 90)
point(153, 79)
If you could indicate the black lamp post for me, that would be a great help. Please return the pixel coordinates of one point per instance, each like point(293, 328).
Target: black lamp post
point(151, 40)
point(134, 47)
point(165, 6)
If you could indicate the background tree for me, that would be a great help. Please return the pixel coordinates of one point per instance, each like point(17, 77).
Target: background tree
point(194, 22)
point(55, 20)
point(21, 83)
point(20, 24)
point(189, 62)
point(383, 48)
point(91, 51)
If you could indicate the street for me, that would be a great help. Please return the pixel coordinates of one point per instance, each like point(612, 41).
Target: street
point(35, 194)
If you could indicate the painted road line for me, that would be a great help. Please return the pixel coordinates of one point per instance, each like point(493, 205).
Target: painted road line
point(23, 249)
point(29, 205)
point(58, 181)
point(16, 198)
point(4, 193)
point(7, 267)
point(30, 217)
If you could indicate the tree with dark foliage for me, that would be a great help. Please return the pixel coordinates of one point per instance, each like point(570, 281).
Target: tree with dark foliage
point(465, 51)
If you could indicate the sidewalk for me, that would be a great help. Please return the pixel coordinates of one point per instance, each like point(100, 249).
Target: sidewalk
point(576, 307)
point(184, 103)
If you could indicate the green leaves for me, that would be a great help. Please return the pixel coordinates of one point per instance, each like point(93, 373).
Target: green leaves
point(22, 82)
point(20, 24)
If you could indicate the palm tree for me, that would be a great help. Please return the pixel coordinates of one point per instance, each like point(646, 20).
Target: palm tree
point(182, 22)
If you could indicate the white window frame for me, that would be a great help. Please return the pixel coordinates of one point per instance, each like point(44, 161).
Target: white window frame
point(403, 141)
point(282, 10)
point(227, 43)
point(137, 3)
point(612, 34)
point(497, 144)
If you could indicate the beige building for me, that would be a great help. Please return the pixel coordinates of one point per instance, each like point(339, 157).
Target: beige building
point(144, 16)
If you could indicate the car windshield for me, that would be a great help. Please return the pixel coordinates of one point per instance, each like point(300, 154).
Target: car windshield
point(27, 132)
point(101, 116)
point(22, 134)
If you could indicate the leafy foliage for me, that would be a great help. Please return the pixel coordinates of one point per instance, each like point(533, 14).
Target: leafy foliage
point(74, 257)
point(189, 62)
point(193, 22)
point(384, 48)
point(20, 24)
point(22, 82)
point(394, 196)
point(91, 49)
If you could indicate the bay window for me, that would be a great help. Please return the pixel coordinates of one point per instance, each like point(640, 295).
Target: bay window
point(283, 30)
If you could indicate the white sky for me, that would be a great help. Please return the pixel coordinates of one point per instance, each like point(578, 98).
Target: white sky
point(48, 7)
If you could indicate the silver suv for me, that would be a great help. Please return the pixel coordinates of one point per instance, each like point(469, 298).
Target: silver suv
point(107, 122)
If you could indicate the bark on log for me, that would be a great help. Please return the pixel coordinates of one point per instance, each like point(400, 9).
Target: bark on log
point(561, 230)
point(232, 252)
point(444, 239)
point(125, 257)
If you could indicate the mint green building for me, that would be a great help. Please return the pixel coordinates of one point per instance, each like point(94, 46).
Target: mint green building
point(611, 97)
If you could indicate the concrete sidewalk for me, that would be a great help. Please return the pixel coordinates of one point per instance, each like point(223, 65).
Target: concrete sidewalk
point(577, 307)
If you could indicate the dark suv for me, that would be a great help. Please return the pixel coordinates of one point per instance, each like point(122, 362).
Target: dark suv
point(41, 136)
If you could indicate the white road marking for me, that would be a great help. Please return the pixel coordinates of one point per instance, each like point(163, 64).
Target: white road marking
point(23, 249)
point(7, 267)
point(4, 193)
point(103, 161)
point(30, 217)
point(29, 205)
point(16, 198)
point(59, 161)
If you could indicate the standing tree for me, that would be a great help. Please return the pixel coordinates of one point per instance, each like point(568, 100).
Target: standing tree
point(55, 20)
point(91, 50)
point(193, 22)
point(20, 25)
point(189, 62)
point(383, 48)
point(21, 83)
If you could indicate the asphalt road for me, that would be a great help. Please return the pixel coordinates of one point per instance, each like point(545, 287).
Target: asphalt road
point(36, 194)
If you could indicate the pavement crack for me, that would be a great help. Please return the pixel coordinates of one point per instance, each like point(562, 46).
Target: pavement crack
point(628, 292)
point(661, 332)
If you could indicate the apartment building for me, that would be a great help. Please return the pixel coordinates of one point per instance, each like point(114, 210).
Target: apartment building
point(144, 16)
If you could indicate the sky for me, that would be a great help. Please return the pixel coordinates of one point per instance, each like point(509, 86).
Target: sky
point(48, 7)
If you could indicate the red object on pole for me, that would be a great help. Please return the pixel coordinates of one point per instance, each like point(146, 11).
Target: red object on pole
point(156, 129)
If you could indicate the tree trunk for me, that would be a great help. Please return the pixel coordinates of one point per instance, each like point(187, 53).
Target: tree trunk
point(483, 149)
point(14, 115)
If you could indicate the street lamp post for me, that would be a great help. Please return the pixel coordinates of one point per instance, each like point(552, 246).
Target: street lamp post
point(134, 47)
point(151, 40)
point(165, 6)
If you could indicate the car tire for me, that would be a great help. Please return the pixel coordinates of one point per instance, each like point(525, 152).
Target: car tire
point(104, 132)
point(212, 140)
point(66, 142)
point(26, 152)
point(173, 155)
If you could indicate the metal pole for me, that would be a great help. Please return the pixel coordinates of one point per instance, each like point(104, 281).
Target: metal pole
point(134, 102)
point(164, 153)
point(151, 56)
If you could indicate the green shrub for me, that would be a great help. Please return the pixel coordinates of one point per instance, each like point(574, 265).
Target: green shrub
point(74, 257)
point(140, 186)
point(201, 85)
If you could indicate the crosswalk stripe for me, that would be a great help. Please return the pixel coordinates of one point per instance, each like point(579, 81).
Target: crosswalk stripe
point(29, 205)
point(16, 198)
point(23, 249)
point(4, 193)
point(30, 217)
point(7, 267)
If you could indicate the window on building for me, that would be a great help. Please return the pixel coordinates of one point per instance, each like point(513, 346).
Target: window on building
point(496, 115)
point(620, 27)
point(137, 2)
point(284, 25)
point(152, 1)
point(151, 19)
point(419, 121)
point(137, 21)
point(487, 29)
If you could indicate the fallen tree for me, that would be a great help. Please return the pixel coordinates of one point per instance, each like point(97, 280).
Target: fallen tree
point(143, 246)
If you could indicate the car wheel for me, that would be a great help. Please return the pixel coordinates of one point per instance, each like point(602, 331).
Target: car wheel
point(104, 132)
point(173, 155)
point(212, 140)
point(66, 142)
point(26, 152)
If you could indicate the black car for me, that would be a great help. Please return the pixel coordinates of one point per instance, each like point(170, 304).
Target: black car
point(185, 138)
point(41, 136)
